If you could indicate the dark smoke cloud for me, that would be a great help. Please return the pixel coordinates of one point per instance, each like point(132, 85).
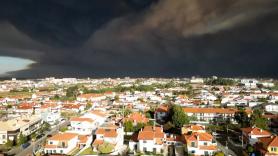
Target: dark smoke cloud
point(142, 38)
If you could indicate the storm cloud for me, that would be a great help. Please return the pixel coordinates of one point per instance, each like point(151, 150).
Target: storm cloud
point(143, 38)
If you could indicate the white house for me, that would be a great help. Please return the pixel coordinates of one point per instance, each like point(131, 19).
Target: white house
point(271, 108)
point(109, 133)
point(150, 139)
point(61, 143)
point(82, 125)
point(252, 134)
point(200, 143)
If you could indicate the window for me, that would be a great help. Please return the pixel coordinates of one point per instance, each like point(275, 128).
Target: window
point(63, 144)
point(4, 136)
point(192, 151)
point(273, 149)
point(205, 143)
point(50, 142)
point(206, 153)
point(144, 141)
point(192, 144)
point(54, 151)
point(61, 151)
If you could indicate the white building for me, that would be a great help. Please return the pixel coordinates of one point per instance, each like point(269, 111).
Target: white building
point(251, 135)
point(200, 144)
point(271, 108)
point(25, 124)
point(82, 126)
point(109, 133)
point(62, 143)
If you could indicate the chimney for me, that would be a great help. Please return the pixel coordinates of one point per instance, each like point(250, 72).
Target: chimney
point(198, 137)
point(261, 130)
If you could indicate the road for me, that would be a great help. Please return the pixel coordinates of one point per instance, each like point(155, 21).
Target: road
point(29, 150)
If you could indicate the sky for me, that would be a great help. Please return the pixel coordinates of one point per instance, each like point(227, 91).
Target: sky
point(13, 64)
point(138, 38)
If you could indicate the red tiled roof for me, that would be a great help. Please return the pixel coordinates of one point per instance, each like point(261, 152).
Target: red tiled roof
point(162, 108)
point(80, 119)
point(63, 136)
point(255, 131)
point(137, 117)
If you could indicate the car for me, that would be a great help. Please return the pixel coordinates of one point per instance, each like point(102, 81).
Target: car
point(62, 119)
point(49, 135)
point(25, 145)
point(215, 134)
point(39, 136)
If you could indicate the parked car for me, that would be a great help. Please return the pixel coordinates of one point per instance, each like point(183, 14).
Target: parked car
point(25, 145)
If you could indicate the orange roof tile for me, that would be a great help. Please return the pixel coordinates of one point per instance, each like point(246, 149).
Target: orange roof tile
point(255, 131)
point(162, 108)
point(63, 136)
point(98, 113)
point(136, 117)
point(274, 142)
point(80, 119)
point(82, 139)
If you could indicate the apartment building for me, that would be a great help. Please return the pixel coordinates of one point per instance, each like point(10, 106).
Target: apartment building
point(25, 124)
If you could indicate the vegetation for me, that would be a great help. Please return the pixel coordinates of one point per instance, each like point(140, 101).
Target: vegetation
point(128, 126)
point(88, 106)
point(21, 139)
point(220, 81)
point(126, 112)
point(219, 154)
point(179, 118)
point(68, 115)
point(242, 118)
point(72, 92)
point(258, 120)
point(63, 129)
point(88, 151)
point(9, 144)
point(105, 148)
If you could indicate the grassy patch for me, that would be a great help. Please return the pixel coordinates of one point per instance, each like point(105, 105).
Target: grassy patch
point(88, 151)
point(105, 148)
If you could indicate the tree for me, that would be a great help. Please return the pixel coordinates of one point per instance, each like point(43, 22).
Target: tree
point(21, 139)
point(128, 126)
point(126, 112)
point(63, 129)
point(9, 144)
point(250, 149)
point(72, 92)
point(138, 127)
point(242, 118)
point(258, 120)
point(88, 106)
point(179, 117)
